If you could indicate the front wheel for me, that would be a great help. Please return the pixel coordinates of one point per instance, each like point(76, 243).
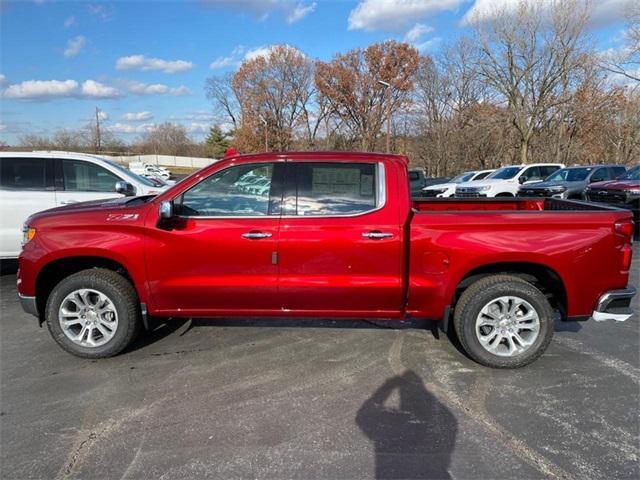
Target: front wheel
point(93, 313)
point(503, 321)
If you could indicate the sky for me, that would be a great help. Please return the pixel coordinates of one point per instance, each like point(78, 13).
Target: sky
point(146, 62)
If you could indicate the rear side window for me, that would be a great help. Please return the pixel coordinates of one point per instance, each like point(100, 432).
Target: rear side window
point(26, 174)
point(617, 172)
point(480, 176)
point(414, 176)
point(82, 176)
point(328, 189)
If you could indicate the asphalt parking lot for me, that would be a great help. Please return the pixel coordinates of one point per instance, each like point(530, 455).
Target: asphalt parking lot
point(316, 399)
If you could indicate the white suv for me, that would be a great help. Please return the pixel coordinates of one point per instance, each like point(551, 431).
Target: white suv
point(446, 190)
point(506, 181)
point(35, 181)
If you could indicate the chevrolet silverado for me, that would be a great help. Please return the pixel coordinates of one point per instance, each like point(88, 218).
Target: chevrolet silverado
point(336, 235)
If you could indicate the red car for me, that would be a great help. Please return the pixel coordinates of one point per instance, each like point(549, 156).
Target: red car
point(334, 235)
point(623, 192)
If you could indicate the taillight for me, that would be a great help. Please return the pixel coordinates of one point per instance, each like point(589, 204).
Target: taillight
point(625, 228)
point(627, 253)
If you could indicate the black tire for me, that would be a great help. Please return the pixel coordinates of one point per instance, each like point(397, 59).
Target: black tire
point(120, 292)
point(479, 294)
point(505, 194)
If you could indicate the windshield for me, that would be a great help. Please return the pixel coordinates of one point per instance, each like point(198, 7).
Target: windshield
point(505, 173)
point(129, 173)
point(463, 177)
point(633, 174)
point(570, 175)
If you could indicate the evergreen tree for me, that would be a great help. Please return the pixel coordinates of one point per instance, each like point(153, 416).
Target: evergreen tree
point(216, 142)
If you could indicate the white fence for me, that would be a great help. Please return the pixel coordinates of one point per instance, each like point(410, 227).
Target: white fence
point(164, 160)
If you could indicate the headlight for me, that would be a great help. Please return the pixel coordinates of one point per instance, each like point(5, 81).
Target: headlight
point(27, 234)
point(558, 189)
point(483, 189)
point(634, 191)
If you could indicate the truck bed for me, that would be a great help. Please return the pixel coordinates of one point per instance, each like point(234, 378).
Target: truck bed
point(421, 205)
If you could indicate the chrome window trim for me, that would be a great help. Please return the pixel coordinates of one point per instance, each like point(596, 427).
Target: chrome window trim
point(381, 201)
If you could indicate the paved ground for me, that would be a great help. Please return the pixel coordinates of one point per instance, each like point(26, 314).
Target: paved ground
point(249, 399)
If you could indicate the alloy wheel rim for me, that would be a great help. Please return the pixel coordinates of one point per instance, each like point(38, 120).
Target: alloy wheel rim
point(88, 318)
point(507, 326)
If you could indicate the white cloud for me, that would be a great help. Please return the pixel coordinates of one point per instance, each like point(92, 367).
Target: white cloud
point(396, 15)
point(137, 116)
point(47, 89)
point(198, 127)
point(3, 79)
point(294, 10)
point(139, 88)
point(224, 62)
point(604, 11)
point(427, 45)
point(300, 11)
point(69, 21)
point(140, 62)
point(74, 46)
point(101, 11)
point(34, 89)
point(93, 89)
point(256, 52)
point(418, 31)
point(129, 129)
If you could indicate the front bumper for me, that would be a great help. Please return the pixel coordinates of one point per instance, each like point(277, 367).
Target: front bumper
point(614, 305)
point(29, 304)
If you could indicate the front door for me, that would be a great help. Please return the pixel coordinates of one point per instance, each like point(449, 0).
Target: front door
point(340, 248)
point(82, 181)
point(219, 256)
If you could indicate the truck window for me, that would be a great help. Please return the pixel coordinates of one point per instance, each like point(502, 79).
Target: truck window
point(414, 176)
point(335, 188)
point(80, 176)
point(25, 173)
point(240, 191)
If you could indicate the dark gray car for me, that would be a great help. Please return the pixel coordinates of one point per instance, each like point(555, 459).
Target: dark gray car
point(571, 182)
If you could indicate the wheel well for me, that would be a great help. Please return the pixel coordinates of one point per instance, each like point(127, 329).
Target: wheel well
point(505, 194)
point(543, 277)
point(52, 273)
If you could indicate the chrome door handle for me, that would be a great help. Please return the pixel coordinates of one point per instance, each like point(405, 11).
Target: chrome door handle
point(68, 202)
point(256, 235)
point(377, 235)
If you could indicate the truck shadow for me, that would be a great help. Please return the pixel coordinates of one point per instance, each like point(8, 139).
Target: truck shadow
point(413, 438)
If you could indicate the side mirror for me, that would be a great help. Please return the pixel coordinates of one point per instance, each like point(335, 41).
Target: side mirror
point(125, 188)
point(522, 179)
point(166, 210)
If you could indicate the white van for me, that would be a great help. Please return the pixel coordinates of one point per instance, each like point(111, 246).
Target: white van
point(35, 181)
point(150, 171)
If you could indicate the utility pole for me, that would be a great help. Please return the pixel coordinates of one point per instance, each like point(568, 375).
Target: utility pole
point(266, 133)
point(98, 138)
point(387, 94)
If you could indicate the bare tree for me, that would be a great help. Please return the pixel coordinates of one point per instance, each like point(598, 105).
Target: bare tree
point(221, 92)
point(167, 139)
point(626, 61)
point(528, 56)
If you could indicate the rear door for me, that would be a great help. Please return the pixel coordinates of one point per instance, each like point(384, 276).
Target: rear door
point(81, 181)
point(340, 248)
point(26, 187)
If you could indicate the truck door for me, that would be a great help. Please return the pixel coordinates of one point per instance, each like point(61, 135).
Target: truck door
point(220, 254)
point(340, 241)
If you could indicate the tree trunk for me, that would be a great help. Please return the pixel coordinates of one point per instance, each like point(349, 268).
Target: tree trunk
point(524, 150)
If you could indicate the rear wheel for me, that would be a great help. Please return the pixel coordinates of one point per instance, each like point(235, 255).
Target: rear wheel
point(503, 321)
point(93, 313)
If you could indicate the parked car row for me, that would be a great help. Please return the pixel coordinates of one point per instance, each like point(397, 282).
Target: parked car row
point(150, 171)
point(34, 181)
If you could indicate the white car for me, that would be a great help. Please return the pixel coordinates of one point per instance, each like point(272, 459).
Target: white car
point(34, 181)
point(149, 171)
point(446, 190)
point(506, 181)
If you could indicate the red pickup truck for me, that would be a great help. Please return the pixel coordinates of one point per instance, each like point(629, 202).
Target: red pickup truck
point(325, 235)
